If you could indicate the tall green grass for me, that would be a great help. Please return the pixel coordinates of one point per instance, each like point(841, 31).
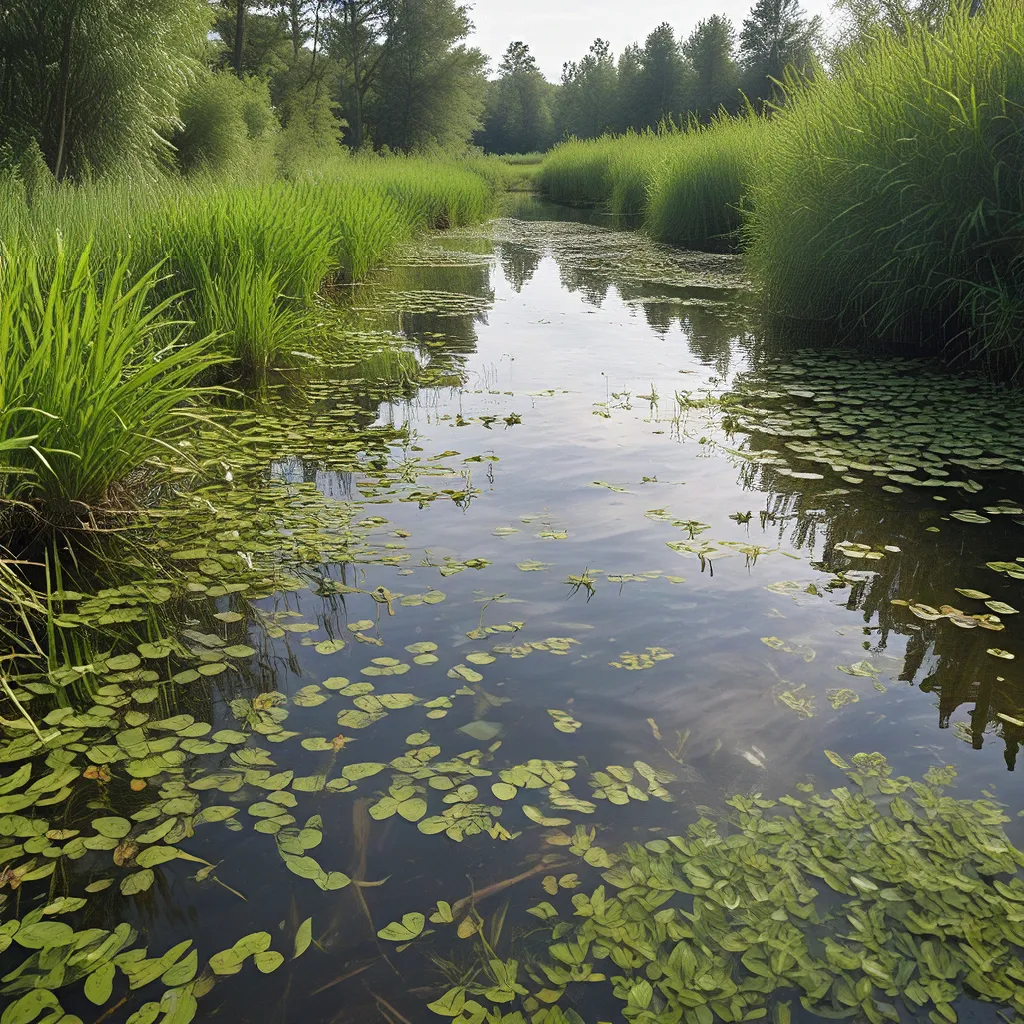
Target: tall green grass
point(245, 261)
point(688, 186)
point(697, 198)
point(96, 384)
point(893, 202)
point(609, 171)
point(116, 298)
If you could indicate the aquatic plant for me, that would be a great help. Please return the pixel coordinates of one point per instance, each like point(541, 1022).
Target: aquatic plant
point(688, 186)
point(96, 384)
point(612, 171)
point(278, 241)
point(697, 198)
point(891, 205)
point(846, 902)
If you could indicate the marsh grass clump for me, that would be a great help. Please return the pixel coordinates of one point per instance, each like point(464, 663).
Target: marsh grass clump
point(892, 202)
point(119, 298)
point(610, 171)
point(97, 384)
point(688, 186)
point(697, 198)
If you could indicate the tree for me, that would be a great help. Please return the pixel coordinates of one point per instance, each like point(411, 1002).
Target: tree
point(241, 10)
point(518, 116)
point(96, 83)
point(862, 18)
point(662, 85)
point(776, 36)
point(282, 47)
point(629, 75)
point(429, 86)
point(359, 33)
point(716, 74)
point(586, 101)
point(256, 45)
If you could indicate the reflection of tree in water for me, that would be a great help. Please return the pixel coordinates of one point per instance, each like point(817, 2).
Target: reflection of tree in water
point(592, 285)
point(519, 263)
point(713, 333)
point(940, 658)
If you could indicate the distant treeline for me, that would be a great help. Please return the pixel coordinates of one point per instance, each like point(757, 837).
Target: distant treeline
point(667, 80)
point(89, 87)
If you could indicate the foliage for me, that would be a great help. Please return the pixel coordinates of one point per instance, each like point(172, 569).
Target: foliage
point(100, 342)
point(777, 37)
point(718, 924)
point(716, 73)
point(94, 380)
point(227, 125)
point(96, 83)
point(613, 171)
point(698, 197)
point(518, 116)
point(587, 99)
point(689, 186)
point(891, 204)
point(428, 95)
point(662, 84)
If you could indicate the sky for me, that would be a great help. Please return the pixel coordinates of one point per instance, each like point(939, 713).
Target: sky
point(562, 30)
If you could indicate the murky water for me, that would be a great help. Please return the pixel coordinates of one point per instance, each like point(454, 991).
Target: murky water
point(634, 533)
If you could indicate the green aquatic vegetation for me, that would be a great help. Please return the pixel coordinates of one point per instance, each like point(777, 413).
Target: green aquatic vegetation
point(803, 706)
point(618, 784)
point(645, 659)
point(563, 721)
point(97, 385)
point(841, 697)
point(805, 651)
point(842, 423)
point(921, 264)
point(697, 198)
point(840, 900)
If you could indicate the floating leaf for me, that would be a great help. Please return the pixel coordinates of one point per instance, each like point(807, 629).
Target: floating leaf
point(408, 929)
point(998, 652)
point(362, 770)
point(303, 937)
point(268, 961)
point(137, 882)
point(537, 815)
point(481, 730)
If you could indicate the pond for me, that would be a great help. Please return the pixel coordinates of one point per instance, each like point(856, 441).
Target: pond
point(605, 659)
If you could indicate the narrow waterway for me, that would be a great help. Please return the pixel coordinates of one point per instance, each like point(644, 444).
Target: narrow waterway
point(614, 527)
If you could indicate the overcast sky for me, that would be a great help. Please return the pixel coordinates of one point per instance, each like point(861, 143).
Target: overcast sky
point(562, 30)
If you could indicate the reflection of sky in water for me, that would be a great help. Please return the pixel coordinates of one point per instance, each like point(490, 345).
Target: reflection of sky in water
point(330, 483)
point(588, 328)
point(572, 340)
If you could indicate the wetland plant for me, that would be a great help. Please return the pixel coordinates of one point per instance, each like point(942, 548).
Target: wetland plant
point(697, 199)
point(97, 385)
point(892, 202)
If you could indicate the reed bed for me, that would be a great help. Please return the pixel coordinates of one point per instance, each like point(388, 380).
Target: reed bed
point(118, 298)
point(698, 197)
point(893, 201)
point(687, 186)
point(97, 385)
point(612, 171)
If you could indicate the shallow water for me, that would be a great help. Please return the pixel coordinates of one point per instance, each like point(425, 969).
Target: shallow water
point(616, 400)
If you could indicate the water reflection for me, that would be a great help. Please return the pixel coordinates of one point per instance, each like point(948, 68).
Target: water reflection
point(719, 333)
point(618, 420)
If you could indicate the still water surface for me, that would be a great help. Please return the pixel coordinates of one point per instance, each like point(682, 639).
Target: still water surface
point(714, 532)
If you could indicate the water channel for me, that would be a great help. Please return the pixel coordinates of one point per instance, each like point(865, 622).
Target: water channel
point(610, 524)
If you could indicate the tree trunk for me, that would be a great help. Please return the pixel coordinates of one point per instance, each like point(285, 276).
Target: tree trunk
point(240, 12)
point(65, 82)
